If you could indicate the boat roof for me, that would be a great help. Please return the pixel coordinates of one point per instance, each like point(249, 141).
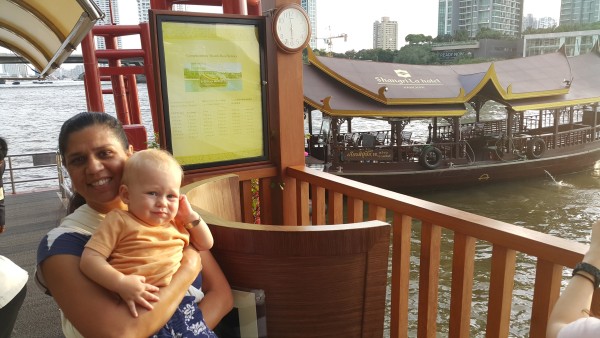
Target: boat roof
point(46, 32)
point(323, 92)
point(343, 87)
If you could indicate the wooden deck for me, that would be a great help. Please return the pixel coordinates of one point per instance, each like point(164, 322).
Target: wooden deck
point(29, 216)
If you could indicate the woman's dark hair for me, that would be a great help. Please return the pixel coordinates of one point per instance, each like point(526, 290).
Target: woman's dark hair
point(87, 119)
point(3, 148)
point(80, 122)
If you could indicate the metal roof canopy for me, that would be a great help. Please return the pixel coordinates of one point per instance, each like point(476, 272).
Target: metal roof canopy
point(46, 32)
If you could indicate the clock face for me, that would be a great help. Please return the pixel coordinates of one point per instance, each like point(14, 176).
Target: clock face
point(292, 29)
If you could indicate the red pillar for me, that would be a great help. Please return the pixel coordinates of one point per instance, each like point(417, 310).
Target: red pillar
point(93, 90)
point(118, 84)
point(149, 72)
point(254, 7)
point(235, 7)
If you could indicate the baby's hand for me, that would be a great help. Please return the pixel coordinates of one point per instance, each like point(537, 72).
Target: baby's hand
point(185, 213)
point(134, 290)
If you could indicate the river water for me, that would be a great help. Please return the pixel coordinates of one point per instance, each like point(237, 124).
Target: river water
point(565, 206)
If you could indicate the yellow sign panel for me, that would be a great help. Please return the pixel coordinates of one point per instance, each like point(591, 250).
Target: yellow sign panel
point(214, 90)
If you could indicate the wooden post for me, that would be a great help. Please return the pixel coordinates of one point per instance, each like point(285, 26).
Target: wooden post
point(286, 118)
point(556, 123)
point(509, 131)
point(595, 128)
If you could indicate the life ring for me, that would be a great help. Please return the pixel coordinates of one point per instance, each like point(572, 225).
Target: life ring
point(535, 148)
point(430, 157)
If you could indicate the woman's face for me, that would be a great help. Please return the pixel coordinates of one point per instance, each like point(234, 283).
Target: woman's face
point(95, 158)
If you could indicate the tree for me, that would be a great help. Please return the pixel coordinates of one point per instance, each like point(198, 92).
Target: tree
point(461, 35)
point(417, 39)
point(416, 55)
point(488, 33)
point(443, 38)
point(351, 54)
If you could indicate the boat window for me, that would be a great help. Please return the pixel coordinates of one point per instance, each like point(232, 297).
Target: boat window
point(325, 129)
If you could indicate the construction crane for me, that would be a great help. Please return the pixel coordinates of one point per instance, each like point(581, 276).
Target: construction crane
point(329, 41)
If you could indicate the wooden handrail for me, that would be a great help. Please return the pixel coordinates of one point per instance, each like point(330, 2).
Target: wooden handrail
point(552, 253)
point(548, 247)
point(323, 198)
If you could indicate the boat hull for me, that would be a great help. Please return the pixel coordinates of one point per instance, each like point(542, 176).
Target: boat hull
point(482, 173)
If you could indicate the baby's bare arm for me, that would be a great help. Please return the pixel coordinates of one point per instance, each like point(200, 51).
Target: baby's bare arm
point(200, 235)
point(132, 289)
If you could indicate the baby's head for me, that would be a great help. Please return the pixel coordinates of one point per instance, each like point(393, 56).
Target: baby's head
point(150, 186)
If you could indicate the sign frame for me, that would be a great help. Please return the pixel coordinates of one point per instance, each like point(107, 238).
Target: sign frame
point(219, 61)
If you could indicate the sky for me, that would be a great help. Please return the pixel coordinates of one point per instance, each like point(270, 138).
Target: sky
point(355, 18)
point(413, 17)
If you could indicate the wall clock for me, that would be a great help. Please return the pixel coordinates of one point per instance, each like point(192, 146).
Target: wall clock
point(291, 28)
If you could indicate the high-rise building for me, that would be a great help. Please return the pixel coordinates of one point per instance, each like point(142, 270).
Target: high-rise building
point(385, 34)
point(310, 6)
point(108, 6)
point(16, 70)
point(574, 12)
point(546, 22)
point(445, 17)
point(530, 21)
point(143, 6)
point(504, 16)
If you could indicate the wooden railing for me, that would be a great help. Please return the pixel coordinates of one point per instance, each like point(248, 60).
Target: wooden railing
point(323, 198)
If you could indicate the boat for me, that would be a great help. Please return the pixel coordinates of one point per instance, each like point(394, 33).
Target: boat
point(310, 259)
point(546, 120)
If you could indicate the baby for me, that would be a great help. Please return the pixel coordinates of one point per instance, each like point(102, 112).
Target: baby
point(136, 251)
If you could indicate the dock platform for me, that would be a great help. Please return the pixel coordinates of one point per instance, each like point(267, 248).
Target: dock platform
point(29, 216)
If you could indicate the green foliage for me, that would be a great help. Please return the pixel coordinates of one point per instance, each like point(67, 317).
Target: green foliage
point(418, 51)
point(443, 38)
point(254, 188)
point(416, 55)
point(154, 143)
point(488, 33)
point(564, 28)
point(417, 39)
point(461, 35)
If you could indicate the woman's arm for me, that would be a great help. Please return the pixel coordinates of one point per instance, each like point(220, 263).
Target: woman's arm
point(576, 299)
point(97, 312)
point(218, 299)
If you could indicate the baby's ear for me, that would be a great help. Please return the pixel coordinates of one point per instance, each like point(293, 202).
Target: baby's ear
point(124, 193)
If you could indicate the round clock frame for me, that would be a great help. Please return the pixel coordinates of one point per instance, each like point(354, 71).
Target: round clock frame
point(283, 31)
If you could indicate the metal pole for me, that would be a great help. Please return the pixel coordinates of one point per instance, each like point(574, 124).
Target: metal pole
point(12, 178)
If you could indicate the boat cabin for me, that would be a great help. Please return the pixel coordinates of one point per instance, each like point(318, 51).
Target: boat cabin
point(436, 121)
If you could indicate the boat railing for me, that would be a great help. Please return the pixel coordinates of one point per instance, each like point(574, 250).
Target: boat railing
point(362, 138)
point(546, 119)
point(420, 230)
point(26, 169)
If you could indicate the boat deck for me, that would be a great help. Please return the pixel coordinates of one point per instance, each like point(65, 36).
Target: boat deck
point(29, 216)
